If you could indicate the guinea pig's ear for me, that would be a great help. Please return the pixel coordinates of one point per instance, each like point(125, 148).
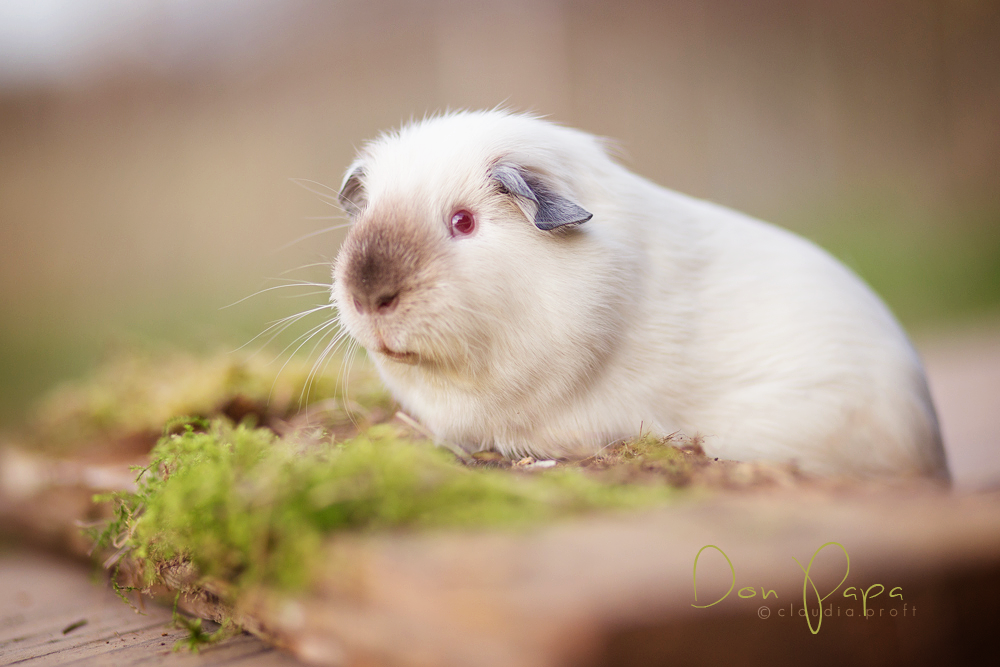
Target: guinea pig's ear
point(552, 210)
point(352, 195)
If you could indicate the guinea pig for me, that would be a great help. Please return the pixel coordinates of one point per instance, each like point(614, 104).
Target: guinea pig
point(520, 291)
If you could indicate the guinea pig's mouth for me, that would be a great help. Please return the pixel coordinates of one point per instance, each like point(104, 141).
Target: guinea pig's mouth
point(410, 358)
point(380, 346)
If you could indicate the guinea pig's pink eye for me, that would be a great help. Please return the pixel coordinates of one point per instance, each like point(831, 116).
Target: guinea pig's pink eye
point(463, 223)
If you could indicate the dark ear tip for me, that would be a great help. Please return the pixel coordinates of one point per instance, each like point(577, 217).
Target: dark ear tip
point(548, 225)
point(562, 213)
point(554, 210)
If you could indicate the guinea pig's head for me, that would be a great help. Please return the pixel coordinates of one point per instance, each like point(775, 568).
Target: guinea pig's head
point(468, 248)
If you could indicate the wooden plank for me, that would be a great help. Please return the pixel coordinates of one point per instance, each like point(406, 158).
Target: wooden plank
point(44, 600)
point(619, 590)
point(609, 590)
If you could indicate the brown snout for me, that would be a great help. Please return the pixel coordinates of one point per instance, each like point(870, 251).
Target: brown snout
point(381, 260)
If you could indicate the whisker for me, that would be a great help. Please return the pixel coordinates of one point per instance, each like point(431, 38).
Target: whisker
point(332, 346)
point(287, 321)
point(302, 283)
point(316, 330)
point(307, 184)
point(312, 234)
point(315, 371)
point(351, 352)
point(299, 296)
point(306, 266)
point(273, 287)
point(307, 335)
point(342, 379)
point(351, 346)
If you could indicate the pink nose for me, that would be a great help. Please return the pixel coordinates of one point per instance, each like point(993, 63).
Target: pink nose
point(385, 303)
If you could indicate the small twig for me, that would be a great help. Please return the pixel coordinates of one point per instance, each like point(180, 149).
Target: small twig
point(440, 442)
point(73, 626)
point(115, 557)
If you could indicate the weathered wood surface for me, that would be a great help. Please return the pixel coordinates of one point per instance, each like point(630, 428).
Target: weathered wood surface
point(610, 590)
point(42, 598)
point(618, 590)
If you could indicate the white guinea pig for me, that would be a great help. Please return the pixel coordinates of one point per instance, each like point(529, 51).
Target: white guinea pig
point(519, 290)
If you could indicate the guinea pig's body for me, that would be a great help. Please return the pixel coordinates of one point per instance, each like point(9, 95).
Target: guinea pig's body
point(519, 290)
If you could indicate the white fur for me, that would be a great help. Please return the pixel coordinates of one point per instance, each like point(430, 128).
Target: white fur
point(663, 312)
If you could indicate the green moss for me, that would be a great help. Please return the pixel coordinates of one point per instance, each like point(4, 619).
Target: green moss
point(247, 507)
point(139, 393)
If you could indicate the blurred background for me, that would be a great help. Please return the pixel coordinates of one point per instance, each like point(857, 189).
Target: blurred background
point(147, 146)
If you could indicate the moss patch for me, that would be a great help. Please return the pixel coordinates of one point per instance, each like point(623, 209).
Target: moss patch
point(135, 395)
point(248, 507)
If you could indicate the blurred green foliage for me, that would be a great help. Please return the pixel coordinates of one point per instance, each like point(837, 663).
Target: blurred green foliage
point(50, 344)
point(935, 270)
